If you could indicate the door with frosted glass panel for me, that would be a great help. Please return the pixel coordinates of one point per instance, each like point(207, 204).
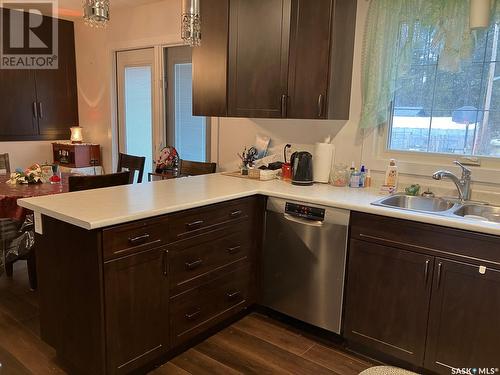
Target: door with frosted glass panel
point(135, 83)
point(189, 134)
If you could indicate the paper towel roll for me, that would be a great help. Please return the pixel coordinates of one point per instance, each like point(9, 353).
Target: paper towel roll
point(322, 161)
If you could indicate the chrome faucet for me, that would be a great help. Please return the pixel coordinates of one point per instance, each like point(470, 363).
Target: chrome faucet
point(462, 184)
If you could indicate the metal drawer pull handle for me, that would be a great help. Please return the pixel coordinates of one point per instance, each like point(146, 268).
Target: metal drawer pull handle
point(193, 315)
point(193, 265)
point(195, 224)
point(440, 266)
point(164, 263)
point(320, 105)
point(236, 213)
point(233, 295)
point(234, 249)
point(299, 220)
point(284, 100)
point(139, 239)
point(426, 273)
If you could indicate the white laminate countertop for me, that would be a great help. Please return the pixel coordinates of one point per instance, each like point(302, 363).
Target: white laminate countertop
point(92, 209)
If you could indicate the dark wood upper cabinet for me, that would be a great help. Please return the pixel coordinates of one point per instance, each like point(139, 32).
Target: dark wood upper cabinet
point(321, 54)
point(258, 54)
point(57, 89)
point(387, 299)
point(41, 104)
point(310, 41)
point(17, 112)
point(136, 305)
point(210, 60)
point(464, 324)
point(275, 59)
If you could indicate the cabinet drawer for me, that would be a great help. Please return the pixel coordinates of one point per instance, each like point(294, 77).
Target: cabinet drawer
point(134, 237)
point(193, 222)
point(193, 261)
point(199, 309)
point(456, 244)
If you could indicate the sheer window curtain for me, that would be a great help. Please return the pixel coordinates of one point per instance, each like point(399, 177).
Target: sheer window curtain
point(387, 49)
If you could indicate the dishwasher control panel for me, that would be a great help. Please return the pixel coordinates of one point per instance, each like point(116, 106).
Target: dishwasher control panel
point(306, 212)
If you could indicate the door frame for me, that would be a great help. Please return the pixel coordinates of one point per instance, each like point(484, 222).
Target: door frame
point(158, 117)
point(169, 116)
point(144, 58)
point(159, 102)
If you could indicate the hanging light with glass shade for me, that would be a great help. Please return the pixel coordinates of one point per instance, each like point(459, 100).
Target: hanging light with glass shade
point(191, 22)
point(480, 13)
point(96, 12)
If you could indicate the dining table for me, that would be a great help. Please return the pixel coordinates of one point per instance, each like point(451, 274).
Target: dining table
point(10, 193)
point(13, 216)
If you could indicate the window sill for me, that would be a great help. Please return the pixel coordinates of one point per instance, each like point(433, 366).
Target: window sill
point(376, 157)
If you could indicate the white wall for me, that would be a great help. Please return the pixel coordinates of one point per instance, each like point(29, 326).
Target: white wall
point(24, 154)
point(146, 25)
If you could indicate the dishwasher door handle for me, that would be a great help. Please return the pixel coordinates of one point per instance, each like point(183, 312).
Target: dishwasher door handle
point(299, 220)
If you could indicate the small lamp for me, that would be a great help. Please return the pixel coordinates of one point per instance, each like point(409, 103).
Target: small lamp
point(76, 134)
point(480, 14)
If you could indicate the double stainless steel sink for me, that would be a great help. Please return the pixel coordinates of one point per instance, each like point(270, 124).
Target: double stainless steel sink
point(442, 207)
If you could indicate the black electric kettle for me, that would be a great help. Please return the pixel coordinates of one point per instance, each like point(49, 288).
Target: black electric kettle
point(302, 168)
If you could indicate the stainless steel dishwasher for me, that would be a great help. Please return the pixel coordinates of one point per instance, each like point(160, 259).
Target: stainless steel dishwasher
point(304, 260)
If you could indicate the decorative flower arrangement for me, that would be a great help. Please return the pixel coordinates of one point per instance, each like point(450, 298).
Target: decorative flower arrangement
point(167, 160)
point(32, 175)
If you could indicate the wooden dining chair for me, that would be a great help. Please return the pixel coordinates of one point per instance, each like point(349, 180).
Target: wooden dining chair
point(132, 163)
point(196, 168)
point(78, 183)
point(5, 163)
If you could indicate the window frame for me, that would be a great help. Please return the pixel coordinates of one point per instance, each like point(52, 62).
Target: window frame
point(169, 106)
point(377, 153)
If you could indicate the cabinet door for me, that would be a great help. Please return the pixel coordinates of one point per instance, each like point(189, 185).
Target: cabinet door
point(210, 60)
point(387, 297)
point(56, 89)
point(258, 57)
point(464, 324)
point(136, 298)
point(310, 41)
point(18, 96)
point(17, 113)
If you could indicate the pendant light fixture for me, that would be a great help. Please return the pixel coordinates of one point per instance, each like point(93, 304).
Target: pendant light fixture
point(191, 22)
point(96, 12)
point(480, 14)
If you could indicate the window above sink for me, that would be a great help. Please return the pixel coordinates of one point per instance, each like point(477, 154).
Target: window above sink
point(448, 112)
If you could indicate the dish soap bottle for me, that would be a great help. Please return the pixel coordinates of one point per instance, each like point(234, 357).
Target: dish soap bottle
point(392, 174)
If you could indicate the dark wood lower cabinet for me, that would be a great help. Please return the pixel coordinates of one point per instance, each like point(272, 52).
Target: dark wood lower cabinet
point(464, 325)
point(423, 296)
point(388, 294)
point(136, 304)
point(193, 312)
point(118, 300)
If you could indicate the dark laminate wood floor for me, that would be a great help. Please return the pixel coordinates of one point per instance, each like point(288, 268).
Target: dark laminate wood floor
point(254, 345)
